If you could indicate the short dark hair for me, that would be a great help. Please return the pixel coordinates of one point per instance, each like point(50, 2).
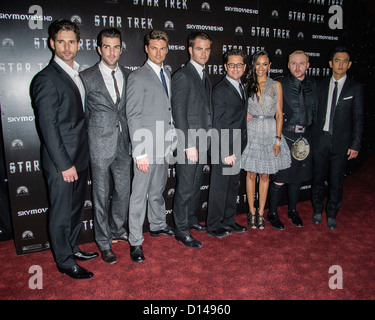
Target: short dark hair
point(197, 35)
point(110, 33)
point(337, 50)
point(62, 24)
point(234, 52)
point(156, 35)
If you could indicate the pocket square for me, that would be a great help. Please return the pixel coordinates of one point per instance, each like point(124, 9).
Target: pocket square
point(347, 98)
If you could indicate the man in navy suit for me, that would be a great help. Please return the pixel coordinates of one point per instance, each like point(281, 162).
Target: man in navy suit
point(58, 98)
point(229, 103)
point(337, 134)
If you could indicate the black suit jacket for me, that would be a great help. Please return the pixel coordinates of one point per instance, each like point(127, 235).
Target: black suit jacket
point(229, 112)
point(348, 117)
point(191, 108)
point(60, 119)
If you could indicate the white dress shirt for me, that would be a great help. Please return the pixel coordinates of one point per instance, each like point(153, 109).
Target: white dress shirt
point(73, 73)
point(198, 67)
point(156, 68)
point(340, 84)
point(108, 80)
point(235, 84)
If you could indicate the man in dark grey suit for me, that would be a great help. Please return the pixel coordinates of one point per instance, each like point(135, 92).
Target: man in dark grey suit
point(148, 109)
point(57, 95)
point(192, 110)
point(337, 134)
point(109, 143)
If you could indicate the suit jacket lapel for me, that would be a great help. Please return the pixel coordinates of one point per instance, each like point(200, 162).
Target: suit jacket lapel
point(344, 89)
point(100, 85)
point(325, 97)
point(68, 79)
point(156, 78)
point(197, 78)
point(234, 90)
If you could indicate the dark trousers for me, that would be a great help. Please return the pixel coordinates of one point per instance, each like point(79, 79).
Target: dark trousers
point(187, 195)
point(329, 164)
point(65, 215)
point(222, 199)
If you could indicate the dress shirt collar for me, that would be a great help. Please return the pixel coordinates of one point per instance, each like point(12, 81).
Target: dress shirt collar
point(107, 70)
point(340, 81)
point(198, 67)
point(155, 67)
point(68, 69)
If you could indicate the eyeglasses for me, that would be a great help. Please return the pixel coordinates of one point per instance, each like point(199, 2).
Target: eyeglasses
point(238, 65)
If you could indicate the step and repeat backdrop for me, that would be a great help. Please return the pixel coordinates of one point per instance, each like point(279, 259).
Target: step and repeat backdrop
point(279, 27)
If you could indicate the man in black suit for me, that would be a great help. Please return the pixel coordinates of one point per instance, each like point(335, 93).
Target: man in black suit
point(192, 110)
point(299, 104)
point(109, 142)
point(229, 138)
point(337, 134)
point(58, 99)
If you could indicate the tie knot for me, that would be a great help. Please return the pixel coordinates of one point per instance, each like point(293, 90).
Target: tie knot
point(113, 73)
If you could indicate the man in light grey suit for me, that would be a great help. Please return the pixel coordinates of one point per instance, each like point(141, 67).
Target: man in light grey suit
point(149, 114)
point(109, 143)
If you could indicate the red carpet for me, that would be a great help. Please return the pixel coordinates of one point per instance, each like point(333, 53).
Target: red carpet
point(258, 265)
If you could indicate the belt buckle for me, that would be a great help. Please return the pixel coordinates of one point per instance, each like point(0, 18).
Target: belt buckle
point(299, 129)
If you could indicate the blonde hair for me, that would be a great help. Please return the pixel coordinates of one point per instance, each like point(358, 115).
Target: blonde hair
point(299, 52)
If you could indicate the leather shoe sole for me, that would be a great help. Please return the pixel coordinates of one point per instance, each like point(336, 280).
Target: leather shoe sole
point(76, 272)
point(124, 238)
point(189, 241)
point(85, 256)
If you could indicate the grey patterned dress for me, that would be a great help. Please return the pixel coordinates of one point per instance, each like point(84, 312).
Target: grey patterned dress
point(258, 155)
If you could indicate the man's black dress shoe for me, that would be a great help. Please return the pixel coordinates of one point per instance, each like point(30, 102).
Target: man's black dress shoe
point(198, 227)
point(167, 231)
point(108, 256)
point(236, 228)
point(136, 254)
point(294, 216)
point(331, 223)
point(85, 256)
point(317, 218)
point(219, 233)
point(76, 272)
point(273, 219)
point(189, 241)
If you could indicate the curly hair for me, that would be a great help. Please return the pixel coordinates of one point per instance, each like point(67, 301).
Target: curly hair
point(251, 80)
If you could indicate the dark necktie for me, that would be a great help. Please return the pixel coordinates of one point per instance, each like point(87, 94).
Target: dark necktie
point(163, 81)
point(206, 82)
point(302, 106)
point(242, 91)
point(116, 89)
point(333, 107)
point(117, 97)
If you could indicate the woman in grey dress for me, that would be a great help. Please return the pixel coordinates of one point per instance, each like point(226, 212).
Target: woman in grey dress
point(266, 151)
